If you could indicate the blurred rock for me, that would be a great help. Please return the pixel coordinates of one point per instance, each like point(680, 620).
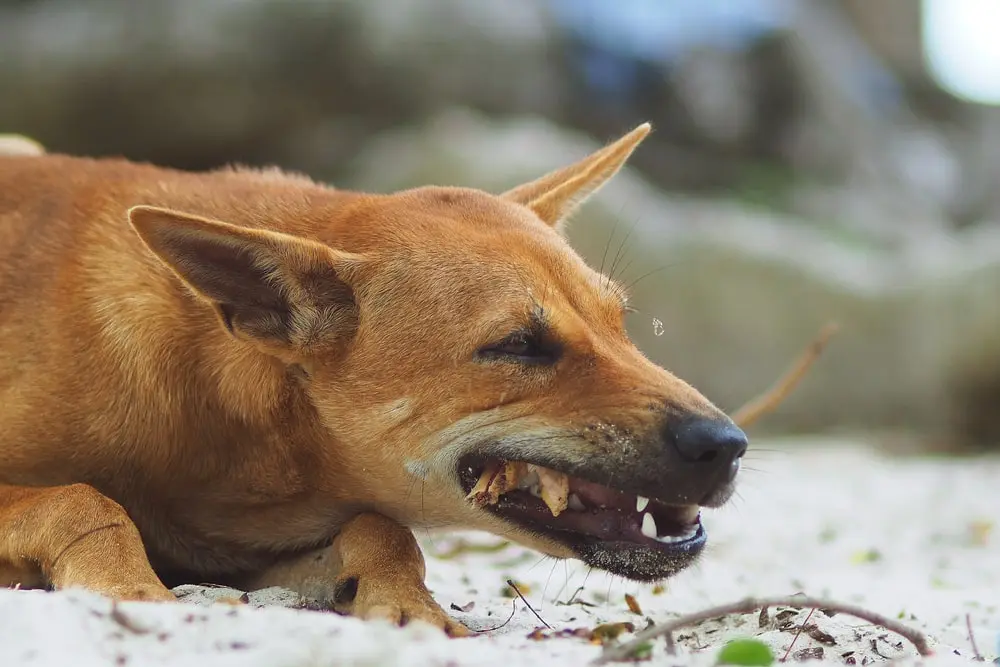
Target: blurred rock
point(199, 83)
point(740, 292)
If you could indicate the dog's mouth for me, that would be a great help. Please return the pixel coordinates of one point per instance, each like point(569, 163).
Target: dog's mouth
point(630, 535)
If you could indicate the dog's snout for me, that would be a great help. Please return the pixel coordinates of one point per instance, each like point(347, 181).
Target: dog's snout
point(719, 442)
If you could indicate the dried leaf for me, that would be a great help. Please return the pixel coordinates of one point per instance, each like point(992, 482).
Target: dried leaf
point(554, 488)
point(869, 556)
point(814, 653)
point(606, 632)
point(633, 605)
point(465, 607)
point(979, 532)
point(820, 636)
point(487, 490)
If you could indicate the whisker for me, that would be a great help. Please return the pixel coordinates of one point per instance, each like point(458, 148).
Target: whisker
point(548, 579)
point(607, 245)
point(621, 247)
point(631, 285)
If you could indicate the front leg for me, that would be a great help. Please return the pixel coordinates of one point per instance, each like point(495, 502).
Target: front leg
point(73, 537)
point(373, 569)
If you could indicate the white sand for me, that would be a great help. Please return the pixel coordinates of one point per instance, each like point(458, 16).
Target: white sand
point(827, 519)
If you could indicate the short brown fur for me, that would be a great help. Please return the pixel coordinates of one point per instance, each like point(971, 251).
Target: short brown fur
point(247, 377)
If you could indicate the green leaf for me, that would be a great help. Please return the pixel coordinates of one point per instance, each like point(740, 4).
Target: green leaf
point(643, 651)
point(746, 652)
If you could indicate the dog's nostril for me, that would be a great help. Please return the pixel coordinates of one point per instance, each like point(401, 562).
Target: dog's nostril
point(709, 441)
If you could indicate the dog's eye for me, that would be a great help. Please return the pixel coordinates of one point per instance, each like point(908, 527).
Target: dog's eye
point(521, 347)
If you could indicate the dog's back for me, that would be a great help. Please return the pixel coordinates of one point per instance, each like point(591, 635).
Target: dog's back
point(92, 326)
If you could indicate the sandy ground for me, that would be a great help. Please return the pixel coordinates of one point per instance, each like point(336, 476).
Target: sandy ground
point(914, 539)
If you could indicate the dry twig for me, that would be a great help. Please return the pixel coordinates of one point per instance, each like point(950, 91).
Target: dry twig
point(777, 393)
point(802, 627)
point(513, 610)
point(972, 640)
point(622, 651)
point(510, 582)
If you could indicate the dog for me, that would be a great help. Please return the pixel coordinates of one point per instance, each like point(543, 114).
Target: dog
point(246, 377)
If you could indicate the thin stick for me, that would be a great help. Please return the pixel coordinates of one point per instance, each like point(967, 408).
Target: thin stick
point(513, 610)
point(621, 651)
point(779, 391)
point(510, 582)
point(796, 637)
point(972, 639)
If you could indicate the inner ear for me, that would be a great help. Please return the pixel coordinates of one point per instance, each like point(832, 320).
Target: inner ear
point(268, 287)
point(224, 271)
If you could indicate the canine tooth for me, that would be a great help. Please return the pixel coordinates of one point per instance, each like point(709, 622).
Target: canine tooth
point(640, 503)
point(649, 525)
point(574, 503)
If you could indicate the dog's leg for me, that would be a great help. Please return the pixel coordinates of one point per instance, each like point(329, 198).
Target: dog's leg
point(73, 537)
point(373, 569)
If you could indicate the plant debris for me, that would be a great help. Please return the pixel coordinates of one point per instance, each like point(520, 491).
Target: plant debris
point(633, 605)
point(745, 653)
point(608, 632)
point(500, 477)
point(814, 653)
point(777, 393)
point(510, 582)
point(621, 651)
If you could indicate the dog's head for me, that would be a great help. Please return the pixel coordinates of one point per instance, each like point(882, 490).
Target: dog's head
point(443, 333)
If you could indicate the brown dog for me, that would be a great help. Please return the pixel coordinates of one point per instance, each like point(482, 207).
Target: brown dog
point(246, 377)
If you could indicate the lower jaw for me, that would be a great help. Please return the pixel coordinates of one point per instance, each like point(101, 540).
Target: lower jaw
point(640, 563)
point(645, 562)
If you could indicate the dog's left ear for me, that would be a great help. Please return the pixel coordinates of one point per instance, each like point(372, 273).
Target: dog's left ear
point(285, 293)
point(555, 196)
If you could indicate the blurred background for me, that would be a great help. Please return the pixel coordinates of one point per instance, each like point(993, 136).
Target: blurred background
point(830, 160)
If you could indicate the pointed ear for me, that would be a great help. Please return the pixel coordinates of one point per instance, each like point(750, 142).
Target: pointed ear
point(555, 196)
point(280, 291)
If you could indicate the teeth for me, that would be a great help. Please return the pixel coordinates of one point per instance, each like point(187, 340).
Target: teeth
point(648, 525)
point(640, 503)
point(574, 503)
point(684, 537)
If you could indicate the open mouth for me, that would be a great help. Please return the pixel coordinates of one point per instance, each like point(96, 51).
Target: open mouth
point(634, 536)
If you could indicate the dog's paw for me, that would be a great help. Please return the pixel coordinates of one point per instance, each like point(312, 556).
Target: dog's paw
point(138, 593)
point(394, 602)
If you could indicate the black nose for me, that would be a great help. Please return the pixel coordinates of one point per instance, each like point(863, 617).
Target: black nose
point(718, 442)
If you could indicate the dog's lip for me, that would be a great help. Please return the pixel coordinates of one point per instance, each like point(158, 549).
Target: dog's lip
point(601, 516)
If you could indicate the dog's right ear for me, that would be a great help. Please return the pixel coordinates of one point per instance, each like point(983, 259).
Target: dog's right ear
point(285, 293)
point(555, 196)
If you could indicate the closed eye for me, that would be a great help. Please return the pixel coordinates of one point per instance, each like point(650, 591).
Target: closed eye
point(524, 347)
